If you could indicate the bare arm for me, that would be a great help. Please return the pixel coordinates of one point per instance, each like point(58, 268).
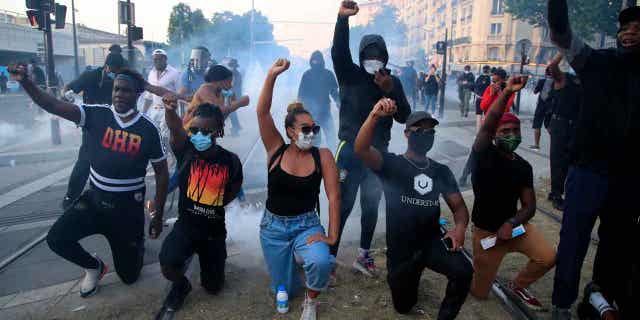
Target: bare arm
point(460, 217)
point(161, 92)
point(162, 184)
point(332, 188)
point(371, 157)
point(527, 206)
point(271, 138)
point(234, 189)
point(179, 136)
point(43, 99)
point(235, 105)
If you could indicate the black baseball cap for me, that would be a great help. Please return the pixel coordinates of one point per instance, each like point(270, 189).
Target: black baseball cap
point(629, 14)
point(418, 116)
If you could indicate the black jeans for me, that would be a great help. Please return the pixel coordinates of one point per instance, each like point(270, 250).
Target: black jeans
point(353, 176)
point(404, 277)
point(118, 217)
point(584, 201)
point(80, 173)
point(184, 240)
point(560, 132)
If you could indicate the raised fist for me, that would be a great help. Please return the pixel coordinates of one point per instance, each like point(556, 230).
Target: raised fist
point(348, 8)
point(18, 72)
point(516, 82)
point(280, 66)
point(385, 107)
point(170, 101)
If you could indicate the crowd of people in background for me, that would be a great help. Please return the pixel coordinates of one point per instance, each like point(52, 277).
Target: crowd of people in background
point(591, 114)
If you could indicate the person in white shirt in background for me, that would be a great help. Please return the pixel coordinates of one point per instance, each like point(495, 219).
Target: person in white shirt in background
point(165, 76)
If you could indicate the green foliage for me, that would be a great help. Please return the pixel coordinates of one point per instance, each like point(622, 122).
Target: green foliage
point(385, 23)
point(588, 17)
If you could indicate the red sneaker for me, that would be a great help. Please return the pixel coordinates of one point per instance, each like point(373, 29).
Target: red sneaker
point(525, 296)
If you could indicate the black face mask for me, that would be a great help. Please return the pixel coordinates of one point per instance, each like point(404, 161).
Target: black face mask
point(421, 141)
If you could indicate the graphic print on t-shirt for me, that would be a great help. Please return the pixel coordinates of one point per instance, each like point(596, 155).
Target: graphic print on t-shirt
point(207, 182)
point(422, 184)
point(121, 141)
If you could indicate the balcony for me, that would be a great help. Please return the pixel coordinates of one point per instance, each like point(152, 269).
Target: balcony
point(496, 38)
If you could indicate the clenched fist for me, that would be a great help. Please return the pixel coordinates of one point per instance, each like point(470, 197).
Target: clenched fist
point(348, 8)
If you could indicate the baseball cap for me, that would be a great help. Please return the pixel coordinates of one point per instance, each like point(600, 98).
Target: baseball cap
point(629, 14)
point(160, 52)
point(418, 116)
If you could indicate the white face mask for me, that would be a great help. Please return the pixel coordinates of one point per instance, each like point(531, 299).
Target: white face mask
point(372, 66)
point(466, 71)
point(305, 141)
point(125, 114)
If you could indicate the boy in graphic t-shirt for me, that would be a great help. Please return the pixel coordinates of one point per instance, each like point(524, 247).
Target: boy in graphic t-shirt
point(413, 184)
point(209, 178)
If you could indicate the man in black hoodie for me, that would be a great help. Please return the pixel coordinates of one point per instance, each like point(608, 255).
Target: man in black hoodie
point(604, 164)
point(316, 86)
point(361, 86)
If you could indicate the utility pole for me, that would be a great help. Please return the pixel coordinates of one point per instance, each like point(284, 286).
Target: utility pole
point(251, 32)
point(444, 71)
point(52, 80)
point(76, 65)
point(129, 40)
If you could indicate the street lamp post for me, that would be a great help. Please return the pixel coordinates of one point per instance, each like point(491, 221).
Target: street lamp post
point(76, 65)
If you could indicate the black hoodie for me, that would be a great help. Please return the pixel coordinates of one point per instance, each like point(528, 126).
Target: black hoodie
point(358, 92)
point(316, 86)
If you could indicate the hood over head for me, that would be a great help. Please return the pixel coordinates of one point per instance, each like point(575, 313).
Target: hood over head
point(317, 55)
point(373, 43)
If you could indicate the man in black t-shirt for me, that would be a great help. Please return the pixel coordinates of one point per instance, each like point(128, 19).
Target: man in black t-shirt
point(413, 184)
point(121, 143)
point(210, 177)
point(500, 179)
point(96, 87)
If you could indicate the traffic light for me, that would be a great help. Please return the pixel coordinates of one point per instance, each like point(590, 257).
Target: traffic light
point(440, 47)
point(61, 15)
point(136, 33)
point(36, 19)
point(33, 4)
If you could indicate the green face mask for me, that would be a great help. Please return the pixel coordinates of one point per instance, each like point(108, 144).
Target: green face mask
point(508, 143)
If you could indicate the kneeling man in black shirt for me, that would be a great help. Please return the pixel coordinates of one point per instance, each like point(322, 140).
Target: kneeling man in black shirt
point(413, 184)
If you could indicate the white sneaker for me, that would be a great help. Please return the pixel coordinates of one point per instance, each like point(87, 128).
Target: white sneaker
point(309, 311)
point(89, 285)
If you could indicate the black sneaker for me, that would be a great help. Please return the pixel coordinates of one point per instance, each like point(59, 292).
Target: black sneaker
point(558, 203)
point(176, 296)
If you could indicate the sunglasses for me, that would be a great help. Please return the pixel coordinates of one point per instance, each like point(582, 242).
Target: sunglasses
point(204, 131)
point(422, 130)
point(308, 129)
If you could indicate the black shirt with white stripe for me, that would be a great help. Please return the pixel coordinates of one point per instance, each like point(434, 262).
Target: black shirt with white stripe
point(119, 152)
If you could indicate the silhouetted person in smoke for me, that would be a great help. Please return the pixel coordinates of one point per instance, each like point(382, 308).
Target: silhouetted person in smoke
point(409, 79)
point(413, 184)
point(361, 86)
point(37, 74)
point(540, 116)
point(603, 173)
point(466, 82)
point(121, 144)
point(210, 178)
point(316, 86)
point(3, 83)
point(233, 65)
point(482, 82)
point(431, 85)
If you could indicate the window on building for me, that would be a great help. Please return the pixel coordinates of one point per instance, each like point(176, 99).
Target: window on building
point(496, 29)
point(497, 7)
point(493, 53)
point(470, 12)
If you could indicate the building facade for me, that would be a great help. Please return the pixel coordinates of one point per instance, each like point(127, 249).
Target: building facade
point(479, 32)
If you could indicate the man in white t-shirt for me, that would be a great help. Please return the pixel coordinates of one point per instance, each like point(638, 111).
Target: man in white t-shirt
point(162, 75)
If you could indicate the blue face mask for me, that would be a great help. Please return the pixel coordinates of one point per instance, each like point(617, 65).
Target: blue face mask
point(227, 93)
point(111, 75)
point(201, 142)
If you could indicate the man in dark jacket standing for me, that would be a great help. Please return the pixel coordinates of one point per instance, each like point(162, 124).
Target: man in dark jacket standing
point(466, 82)
point(361, 86)
point(316, 86)
point(409, 79)
point(604, 164)
point(482, 82)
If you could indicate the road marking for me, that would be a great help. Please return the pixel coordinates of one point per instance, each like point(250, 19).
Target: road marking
point(35, 186)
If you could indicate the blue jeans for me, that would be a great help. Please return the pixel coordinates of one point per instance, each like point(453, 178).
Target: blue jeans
point(586, 192)
point(281, 237)
point(430, 100)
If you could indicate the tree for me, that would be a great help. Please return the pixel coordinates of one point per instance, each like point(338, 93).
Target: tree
point(185, 24)
point(588, 17)
point(385, 23)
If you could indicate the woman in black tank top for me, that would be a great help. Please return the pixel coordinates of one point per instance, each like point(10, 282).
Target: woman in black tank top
point(291, 224)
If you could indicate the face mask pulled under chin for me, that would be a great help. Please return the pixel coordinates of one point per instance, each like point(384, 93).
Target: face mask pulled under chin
point(306, 141)
point(372, 66)
point(124, 114)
